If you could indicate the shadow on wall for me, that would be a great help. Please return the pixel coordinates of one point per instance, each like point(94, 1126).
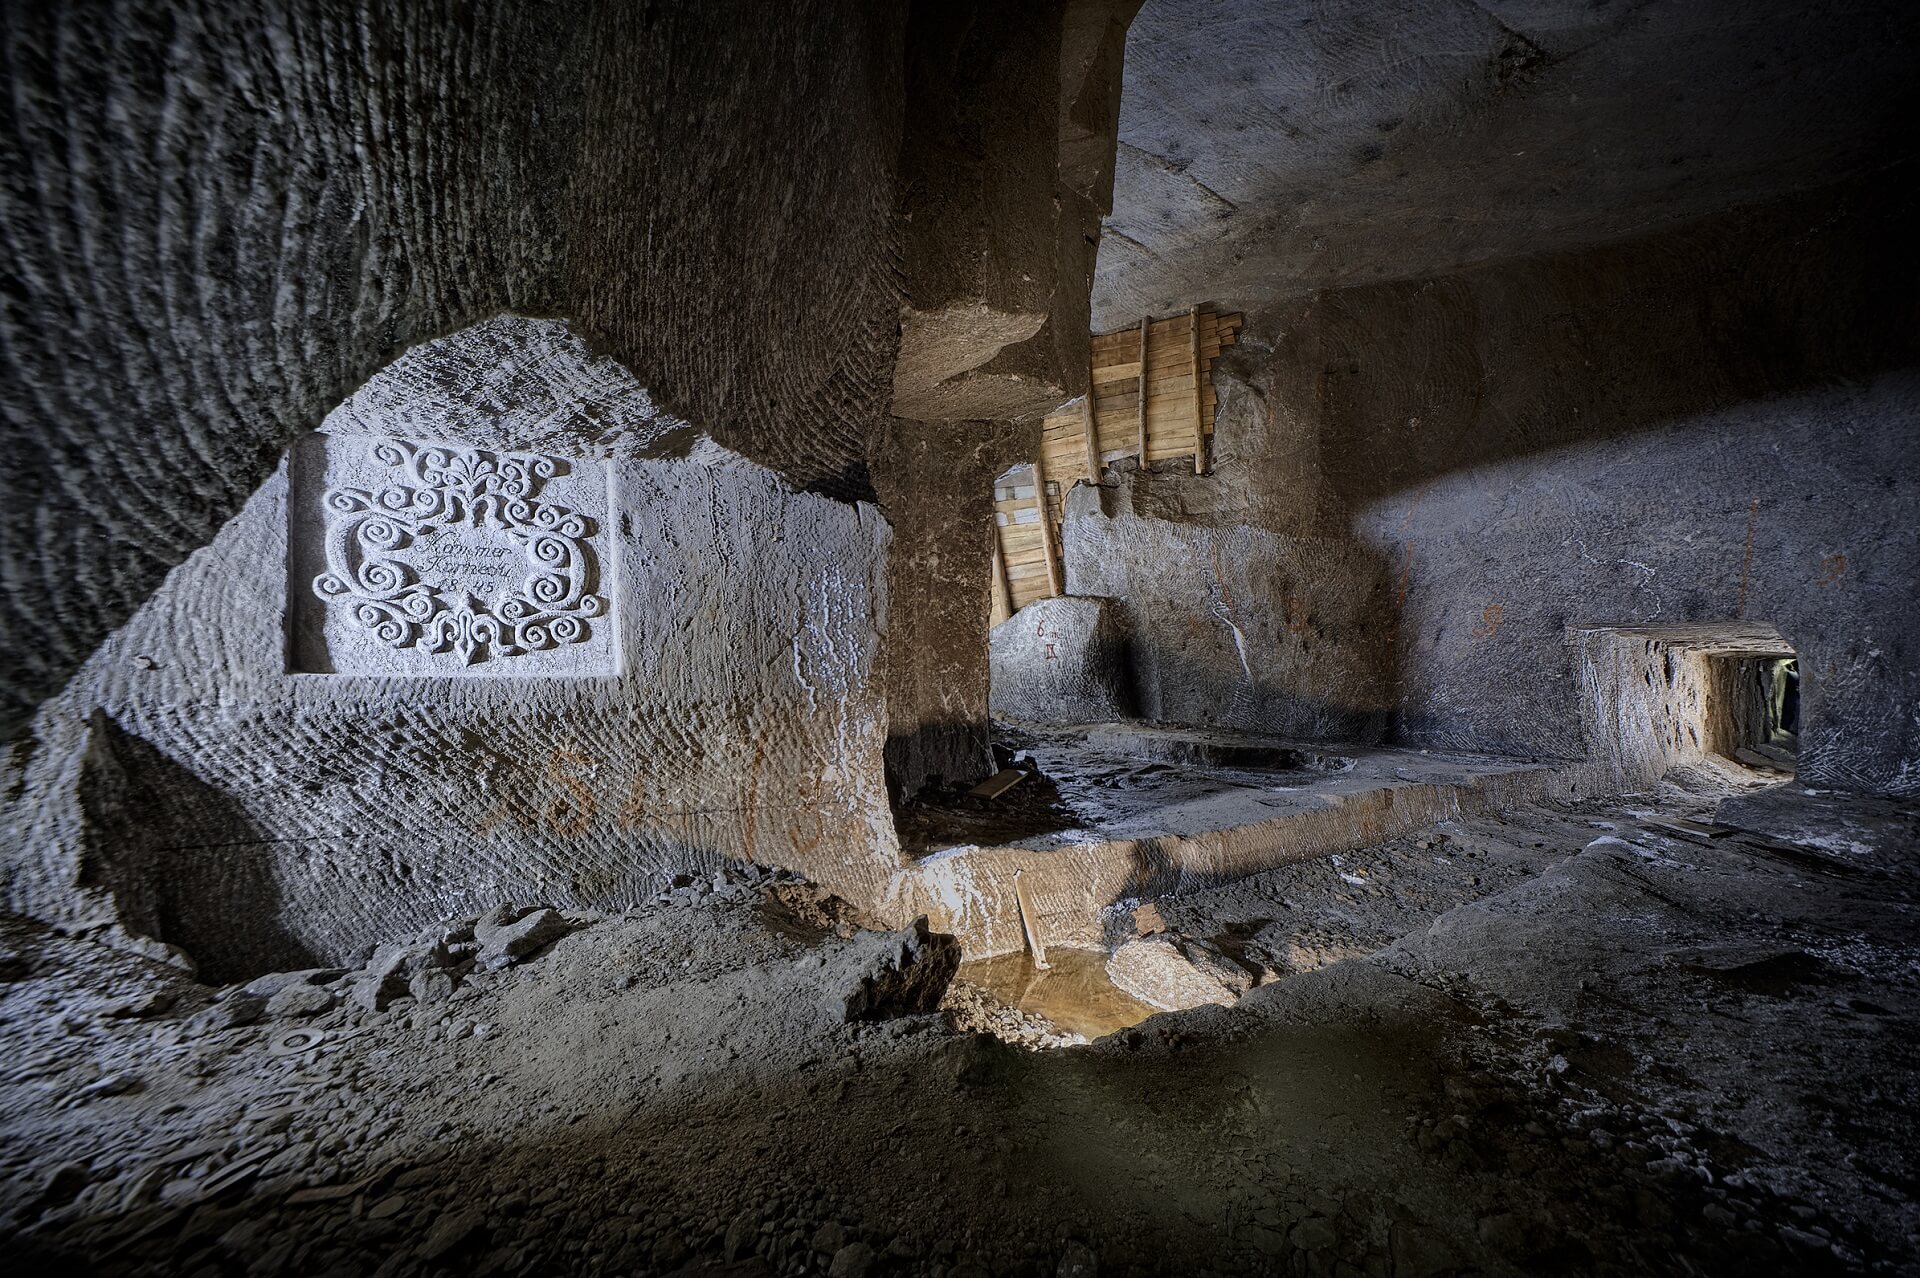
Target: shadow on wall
point(228, 805)
point(1708, 425)
point(1413, 380)
point(182, 860)
point(1239, 627)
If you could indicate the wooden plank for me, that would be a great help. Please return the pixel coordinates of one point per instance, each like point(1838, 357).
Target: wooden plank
point(1046, 526)
point(1120, 347)
point(1199, 396)
point(1145, 324)
point(1029, 922)
point(1090, 437)
point(1002, 594)
point(1121, 338)
point(998, 784)
point(1170, 359)
point(1161, 331)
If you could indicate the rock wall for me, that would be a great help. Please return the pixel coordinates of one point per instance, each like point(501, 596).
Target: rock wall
point(222, 217)
point(1062, 660)
point(200, 783)
point(935, 484)
point(1715, 424)
point(1236, 626)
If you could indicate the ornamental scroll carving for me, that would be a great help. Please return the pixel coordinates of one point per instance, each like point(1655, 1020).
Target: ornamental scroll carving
point(459, 555)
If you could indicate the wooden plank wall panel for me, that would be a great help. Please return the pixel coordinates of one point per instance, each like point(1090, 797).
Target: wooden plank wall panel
point(1114, 411)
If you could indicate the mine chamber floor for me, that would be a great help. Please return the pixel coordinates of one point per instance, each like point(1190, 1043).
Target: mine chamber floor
point(1121, 812)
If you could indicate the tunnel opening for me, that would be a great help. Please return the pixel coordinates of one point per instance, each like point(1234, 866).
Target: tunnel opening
point(1757, 711)
point(1712, 706)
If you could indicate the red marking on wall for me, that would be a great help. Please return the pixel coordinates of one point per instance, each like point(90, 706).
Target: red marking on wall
point(1405, 582)
point(1491, 619)
point(583, 802)
point(1832, 568)
point(1051, 654)
point(805, 845)
point(1746, 560)
point(495, 815)
point(1298, 622)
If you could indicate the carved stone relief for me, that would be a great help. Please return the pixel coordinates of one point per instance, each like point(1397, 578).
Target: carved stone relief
point(437, 558)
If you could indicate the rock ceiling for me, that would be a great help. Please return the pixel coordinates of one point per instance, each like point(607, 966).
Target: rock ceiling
point(1270, 148)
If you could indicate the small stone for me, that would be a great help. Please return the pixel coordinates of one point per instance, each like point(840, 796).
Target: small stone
point(1315, 1233)
point(298, 1001)
point(830, 1238)
point(741, 1233)
point(431, 988)
point(507, 943)
point(671, 1250)
point(855, 1260)
point(114, 1085)
point(65, 1183)
point(232, 1012)
point(451, 1231)
point(391, 1205)
point(1078, 1261)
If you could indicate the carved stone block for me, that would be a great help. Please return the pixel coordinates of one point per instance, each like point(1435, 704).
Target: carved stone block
point(413, 557)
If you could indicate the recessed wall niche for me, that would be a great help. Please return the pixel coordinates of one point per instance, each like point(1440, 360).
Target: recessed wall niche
point(420, 557)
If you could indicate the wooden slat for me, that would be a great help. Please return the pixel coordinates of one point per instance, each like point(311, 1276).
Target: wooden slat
point(1161, 363)
point(1046, 526)
point(1090, 438)
point(1197, 377)
point(1145, 324)
point(1002, 593)
point(1159, 331)
point(1150, 396)
point(1119, 346)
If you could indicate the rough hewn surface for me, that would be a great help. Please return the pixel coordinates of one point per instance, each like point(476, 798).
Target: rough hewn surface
point(1710, 425)
point(260, 818)
point(935, 485)
point(1523, 1082)
point(222, 218)
point(1062, 661)
point(1655, 699)
point(1006, 171)
point(1270, 148)
point(1237, 626)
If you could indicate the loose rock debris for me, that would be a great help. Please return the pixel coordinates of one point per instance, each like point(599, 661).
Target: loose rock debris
point(1496, 1080)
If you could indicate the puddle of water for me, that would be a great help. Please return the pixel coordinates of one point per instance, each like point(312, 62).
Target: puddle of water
point(1073, 992)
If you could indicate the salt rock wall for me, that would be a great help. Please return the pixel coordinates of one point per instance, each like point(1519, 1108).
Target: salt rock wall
point(934, 483)
point(1062, 660)
point(204, 781)
point(1232, 625)
point(1716, 424)
point(221, 217)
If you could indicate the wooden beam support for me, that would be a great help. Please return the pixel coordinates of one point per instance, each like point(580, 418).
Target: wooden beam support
point(1090, 427)
point(1199, 394)
point(1002, 593)
point(1145, 321)
point(1047, 549)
